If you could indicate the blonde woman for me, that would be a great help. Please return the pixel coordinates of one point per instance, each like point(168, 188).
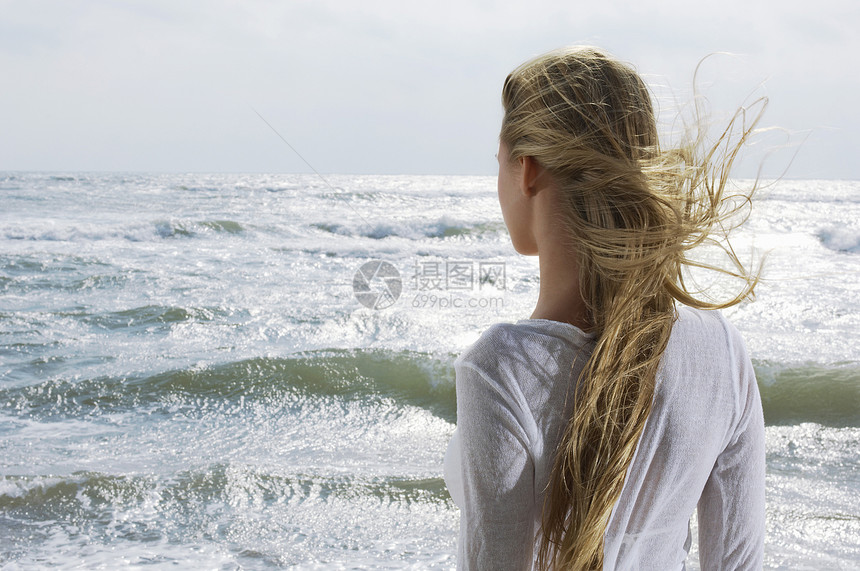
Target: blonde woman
point(589, 433)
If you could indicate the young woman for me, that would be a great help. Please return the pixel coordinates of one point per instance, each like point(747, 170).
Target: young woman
point(589, 433)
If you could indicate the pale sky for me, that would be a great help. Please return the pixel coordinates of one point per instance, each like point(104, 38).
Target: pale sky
point(390, 87)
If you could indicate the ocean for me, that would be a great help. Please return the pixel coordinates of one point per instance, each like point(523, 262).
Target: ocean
point(247, 371)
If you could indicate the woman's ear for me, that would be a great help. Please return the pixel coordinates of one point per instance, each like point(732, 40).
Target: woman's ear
point(530, 173)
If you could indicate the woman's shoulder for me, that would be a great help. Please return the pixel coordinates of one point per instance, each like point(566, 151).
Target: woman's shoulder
point(706, 354)
point(532, 337)
point(498, 339)
point(525, 365)
point(708, 327)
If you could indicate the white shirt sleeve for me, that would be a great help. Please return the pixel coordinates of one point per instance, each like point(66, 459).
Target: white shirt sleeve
point(732, 506)
point(497, 519)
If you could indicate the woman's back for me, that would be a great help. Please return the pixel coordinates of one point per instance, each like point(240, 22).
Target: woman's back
point(703, 444)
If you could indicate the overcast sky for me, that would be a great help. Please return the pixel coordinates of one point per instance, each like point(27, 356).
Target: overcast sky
point(382, 86)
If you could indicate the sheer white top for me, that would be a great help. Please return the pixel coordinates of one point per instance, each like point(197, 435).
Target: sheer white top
point(702, 446)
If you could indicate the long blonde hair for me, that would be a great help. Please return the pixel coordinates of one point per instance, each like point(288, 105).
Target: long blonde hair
point(632, 212)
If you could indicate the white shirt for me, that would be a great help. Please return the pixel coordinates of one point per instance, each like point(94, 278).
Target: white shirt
point(703, 445)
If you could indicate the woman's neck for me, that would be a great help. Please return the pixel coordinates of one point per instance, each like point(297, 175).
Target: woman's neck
point(559, 298)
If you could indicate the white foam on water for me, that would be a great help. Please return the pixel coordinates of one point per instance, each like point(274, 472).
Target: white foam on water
point(262, 266)
point(840, 239)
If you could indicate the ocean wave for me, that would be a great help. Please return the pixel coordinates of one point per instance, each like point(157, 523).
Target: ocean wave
point(442, 228)
point(63, 282)
point(408, 378)
point(263, 518)
point(227, 516)
point(197, 188)
point(55, 231)
point(170, 229)
point(25, 265)
point(811, 191)
point(179, 229)
point(827, 395)
point(48, 271)
point(228, 226)
point(94, 491)
point(149, 315)
point(840, 239)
